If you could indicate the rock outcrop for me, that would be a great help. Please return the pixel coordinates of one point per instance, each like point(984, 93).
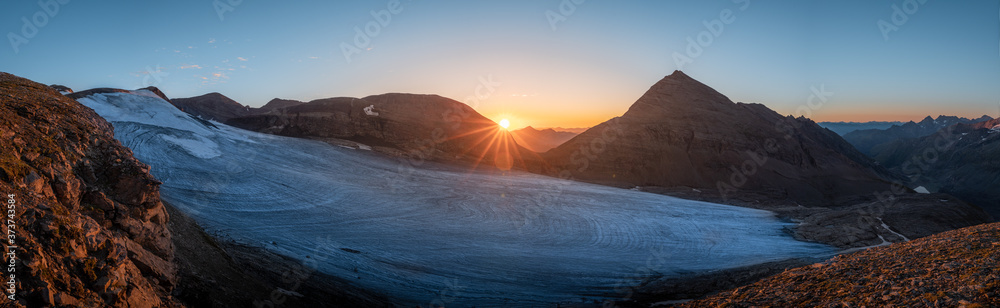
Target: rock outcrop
point(420, 127)
point(684, 133)
point(89, 225)
point(950, 269)
point(62, 89)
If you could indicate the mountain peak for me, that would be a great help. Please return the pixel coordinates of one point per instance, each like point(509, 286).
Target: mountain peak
point(677, 95)
point(678, 74)
point(278, 103)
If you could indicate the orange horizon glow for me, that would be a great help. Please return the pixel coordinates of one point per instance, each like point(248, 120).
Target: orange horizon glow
point(540, 121)
point(541, 116)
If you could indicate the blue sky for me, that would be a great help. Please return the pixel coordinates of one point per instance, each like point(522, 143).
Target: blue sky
point(600, 57)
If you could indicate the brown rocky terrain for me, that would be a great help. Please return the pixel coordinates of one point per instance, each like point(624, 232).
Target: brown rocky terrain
point(416, 126)
point(541, 140)
point(212, 106)
point(62, 89)
point(951, 269)
point(89, 225)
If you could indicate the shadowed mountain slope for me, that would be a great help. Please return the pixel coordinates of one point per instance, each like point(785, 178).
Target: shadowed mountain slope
point(684, 133)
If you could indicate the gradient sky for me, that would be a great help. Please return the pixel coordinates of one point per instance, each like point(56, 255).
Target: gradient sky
point(945, 59)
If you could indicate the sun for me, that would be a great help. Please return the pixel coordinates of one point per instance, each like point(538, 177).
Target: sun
point(505, 123)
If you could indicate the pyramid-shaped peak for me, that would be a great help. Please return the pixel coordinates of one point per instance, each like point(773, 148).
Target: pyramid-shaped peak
point(678, 74)
point(679, 81)
point(677, 94)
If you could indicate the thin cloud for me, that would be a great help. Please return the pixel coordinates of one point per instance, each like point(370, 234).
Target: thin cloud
point(241, 59)
point(194, 66)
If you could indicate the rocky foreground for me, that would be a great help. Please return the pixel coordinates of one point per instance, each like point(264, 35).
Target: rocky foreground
point(88, 221)
point(951, 269)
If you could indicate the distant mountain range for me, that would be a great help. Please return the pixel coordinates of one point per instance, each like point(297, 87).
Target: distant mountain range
point(541, 140)
point(842, 128)
point(962, 160)
point(575, 130)
point(868, 139)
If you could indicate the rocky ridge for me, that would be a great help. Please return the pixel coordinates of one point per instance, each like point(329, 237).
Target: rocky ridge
point(212, 106)
point(842, 128)
point(91, 230)
point(278, 103)
point(418, 127)
point(869, 141)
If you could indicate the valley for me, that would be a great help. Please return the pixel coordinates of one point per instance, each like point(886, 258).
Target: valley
point(515, 238)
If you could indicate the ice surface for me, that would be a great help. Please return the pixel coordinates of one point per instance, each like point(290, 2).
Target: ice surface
point(434, 234)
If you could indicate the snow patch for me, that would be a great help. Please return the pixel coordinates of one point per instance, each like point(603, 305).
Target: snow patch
point(143, 107)
point(921, 190)
point(370, 110)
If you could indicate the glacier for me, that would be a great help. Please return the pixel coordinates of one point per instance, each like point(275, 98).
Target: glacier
point(436, 235)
